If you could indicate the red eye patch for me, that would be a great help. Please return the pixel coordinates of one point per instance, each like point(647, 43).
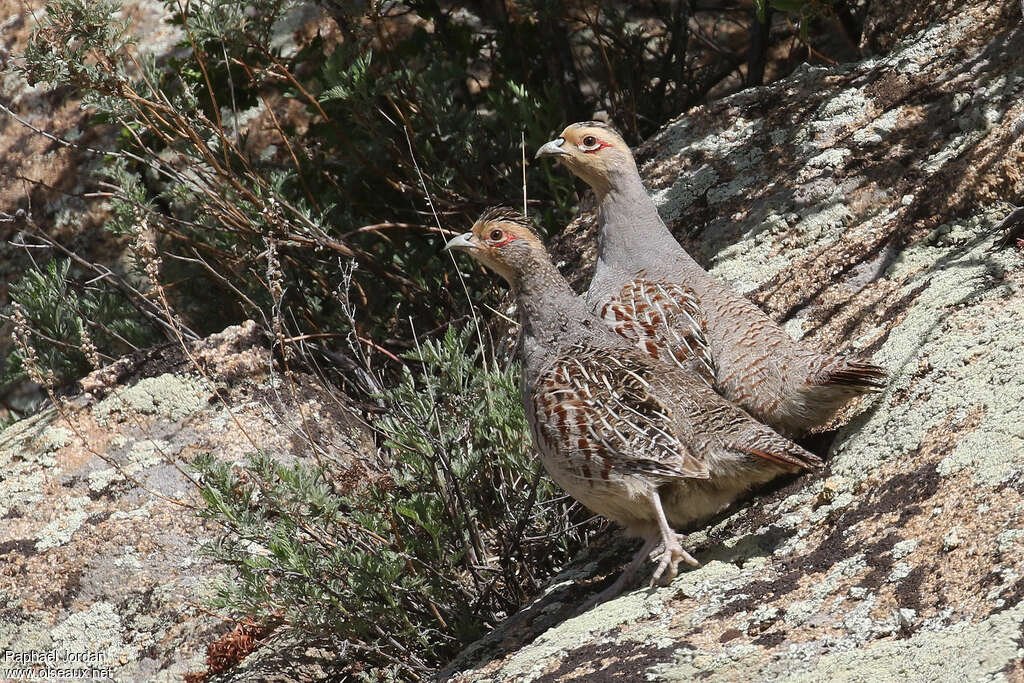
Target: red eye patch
point(508, 238)
point(598, 146)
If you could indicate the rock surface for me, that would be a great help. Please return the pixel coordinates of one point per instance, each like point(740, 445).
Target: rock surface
point(858, 205)
point(100, 540)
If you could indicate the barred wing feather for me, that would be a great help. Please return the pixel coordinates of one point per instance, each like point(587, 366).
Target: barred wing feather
point(596, 410)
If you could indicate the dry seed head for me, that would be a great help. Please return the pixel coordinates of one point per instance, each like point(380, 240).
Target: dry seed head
point(275, 284)
point(146, 252)
point(22, 333)
point(92, 354)
point(275, 281)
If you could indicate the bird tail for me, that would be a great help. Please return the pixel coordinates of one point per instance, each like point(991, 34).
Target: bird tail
point(853, 375)
point(766, 443)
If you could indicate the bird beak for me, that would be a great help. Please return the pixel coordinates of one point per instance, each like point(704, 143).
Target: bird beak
point(552, 149)
point(461, 242)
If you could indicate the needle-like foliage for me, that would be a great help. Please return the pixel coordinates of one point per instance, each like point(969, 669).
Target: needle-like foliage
point(451, 532)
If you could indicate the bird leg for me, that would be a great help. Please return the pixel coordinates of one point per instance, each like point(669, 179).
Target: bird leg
point(672, 552)
point(665, 544)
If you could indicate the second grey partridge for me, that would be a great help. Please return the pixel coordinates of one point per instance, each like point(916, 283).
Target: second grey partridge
point(754, 362)
point(641, 442)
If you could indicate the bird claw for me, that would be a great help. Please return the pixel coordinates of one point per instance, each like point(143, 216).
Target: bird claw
point(666, 571)
point(668, 567)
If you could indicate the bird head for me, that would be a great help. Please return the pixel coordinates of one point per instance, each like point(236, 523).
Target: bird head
point(502, 240)
point(593, 151)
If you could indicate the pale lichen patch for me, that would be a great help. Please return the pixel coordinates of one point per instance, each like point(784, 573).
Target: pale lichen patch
point(170, 396)
point(63, 527)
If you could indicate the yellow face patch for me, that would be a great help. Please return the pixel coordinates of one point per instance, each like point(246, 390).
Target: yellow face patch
point(589, 139)
point(496, 236)
point(493, 235)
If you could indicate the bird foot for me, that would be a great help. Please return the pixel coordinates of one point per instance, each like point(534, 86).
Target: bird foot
point(666, 571)
point(668, 567)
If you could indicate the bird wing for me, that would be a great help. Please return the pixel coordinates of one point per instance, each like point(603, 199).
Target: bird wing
point(597, 411)
point(665, 321)
point(718, 426)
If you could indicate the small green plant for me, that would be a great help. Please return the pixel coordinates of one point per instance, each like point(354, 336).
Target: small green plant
point(71, 325)
point(449, 533)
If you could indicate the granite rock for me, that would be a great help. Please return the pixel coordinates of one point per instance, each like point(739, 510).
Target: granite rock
point(857, 205)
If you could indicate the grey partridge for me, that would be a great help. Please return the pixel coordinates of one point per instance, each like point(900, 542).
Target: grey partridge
point(753, 361)
point(635, 439)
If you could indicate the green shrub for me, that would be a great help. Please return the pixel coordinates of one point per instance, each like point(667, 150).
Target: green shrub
point(363, 146)
point(451, 532)
point(67, 320)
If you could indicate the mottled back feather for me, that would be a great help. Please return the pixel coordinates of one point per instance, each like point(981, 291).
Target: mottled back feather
point(665, 321)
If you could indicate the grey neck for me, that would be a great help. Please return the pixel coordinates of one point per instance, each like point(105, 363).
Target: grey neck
point(552, 316)
point(632, 231)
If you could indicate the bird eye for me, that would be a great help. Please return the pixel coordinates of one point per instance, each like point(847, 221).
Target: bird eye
point(590, 144)
point(496, 235)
